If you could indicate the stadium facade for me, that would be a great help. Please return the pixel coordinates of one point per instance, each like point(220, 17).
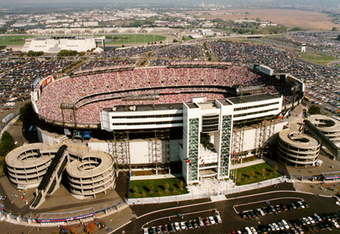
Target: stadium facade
point(192, 115)
point(193, 118)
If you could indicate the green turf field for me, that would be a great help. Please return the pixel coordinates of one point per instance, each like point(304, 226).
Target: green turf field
point(11, 40)
point(111, 39)
point(256, 173)
point(122, 39)
point(318, 58)
point(157, 188)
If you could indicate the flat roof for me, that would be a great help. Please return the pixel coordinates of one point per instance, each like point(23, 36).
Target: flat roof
point(146, 107)
point(252, 98)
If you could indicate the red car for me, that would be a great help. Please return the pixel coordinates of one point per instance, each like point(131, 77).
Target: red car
point(206, 221)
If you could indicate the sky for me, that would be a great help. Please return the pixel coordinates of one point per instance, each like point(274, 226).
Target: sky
point(328, 3)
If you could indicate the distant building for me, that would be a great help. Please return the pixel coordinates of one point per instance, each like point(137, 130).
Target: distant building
point(90, 24)
point(56, 44)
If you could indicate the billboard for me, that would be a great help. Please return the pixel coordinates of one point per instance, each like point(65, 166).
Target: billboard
point(48, 80)
point(77, 133)
point(87, 134)
point(36, 82)
point(67, 132)
point(291, 79)
point(266, 70)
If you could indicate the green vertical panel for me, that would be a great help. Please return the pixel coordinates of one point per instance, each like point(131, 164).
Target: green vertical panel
point(225, 145)
point(193, 149)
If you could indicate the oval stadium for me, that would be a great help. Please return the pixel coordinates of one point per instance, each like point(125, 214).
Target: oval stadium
point(186, 117)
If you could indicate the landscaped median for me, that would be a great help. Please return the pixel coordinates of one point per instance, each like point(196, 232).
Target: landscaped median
point(256, 173)
point(157, 187)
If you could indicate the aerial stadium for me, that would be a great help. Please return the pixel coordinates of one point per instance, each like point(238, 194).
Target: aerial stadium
point(192, 118)
point(192, 115)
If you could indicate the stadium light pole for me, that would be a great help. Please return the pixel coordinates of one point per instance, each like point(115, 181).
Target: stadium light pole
point(3, 40)
point(13, 41)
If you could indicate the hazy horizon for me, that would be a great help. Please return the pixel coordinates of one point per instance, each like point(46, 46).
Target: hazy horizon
point(25, 3)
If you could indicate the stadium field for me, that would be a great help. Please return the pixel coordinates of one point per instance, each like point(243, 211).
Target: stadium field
point(122, 39)
point(111, 39)
point(11, 40)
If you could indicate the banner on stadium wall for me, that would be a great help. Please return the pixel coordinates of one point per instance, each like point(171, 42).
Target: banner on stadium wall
point(291, 79)
point(266, 70)
point(67, 132)
point(87, 134)
point(77, 133)
point(36, 82)
point(48, 80)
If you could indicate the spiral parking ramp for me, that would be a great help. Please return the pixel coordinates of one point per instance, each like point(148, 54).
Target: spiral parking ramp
point(297, 148)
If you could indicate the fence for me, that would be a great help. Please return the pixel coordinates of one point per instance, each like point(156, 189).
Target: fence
point(60, 221)
point(207, 194)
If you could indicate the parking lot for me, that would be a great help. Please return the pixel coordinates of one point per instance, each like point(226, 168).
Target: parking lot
point(280, 203)
point(183, 223)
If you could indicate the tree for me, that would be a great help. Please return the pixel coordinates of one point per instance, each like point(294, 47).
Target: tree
point(135, 190)
point(166, 186)
point(252, 173)
point(7, 143)
point(151, 188)
point(314, 110)
point(23, 111)
point(334, 29)
point(275, 168)
point(338, 37)
point(181, 184)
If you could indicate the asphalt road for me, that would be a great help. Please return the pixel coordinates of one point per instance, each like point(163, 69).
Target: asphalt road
point(158, 214)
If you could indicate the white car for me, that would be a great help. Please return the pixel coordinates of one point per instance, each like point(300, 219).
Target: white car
point(285, 224)
point(177, 227)
point(212, 220)
point(218, 218)
point(335, 223)
point(183, 226)
point(276, 227)
point(301, 204)
point(247, 229)
point(312, 221)
point(201, 222)
point(253, 230)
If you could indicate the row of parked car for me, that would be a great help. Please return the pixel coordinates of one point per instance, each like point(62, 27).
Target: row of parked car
point(273, 209)
point(309, 224)
point(184, 225)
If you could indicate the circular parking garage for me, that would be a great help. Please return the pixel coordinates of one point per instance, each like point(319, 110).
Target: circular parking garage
point(90, 174)
point(298, 149)
point(329, 126)
point(26, 165)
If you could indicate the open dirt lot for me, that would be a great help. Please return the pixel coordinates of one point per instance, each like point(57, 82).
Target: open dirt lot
point(288, 17)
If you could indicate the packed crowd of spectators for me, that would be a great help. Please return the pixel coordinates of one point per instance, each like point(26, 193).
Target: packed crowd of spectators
point(91, 64)
point(144, 86)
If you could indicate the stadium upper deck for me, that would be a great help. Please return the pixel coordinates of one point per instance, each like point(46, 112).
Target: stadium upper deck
point(80, 99)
